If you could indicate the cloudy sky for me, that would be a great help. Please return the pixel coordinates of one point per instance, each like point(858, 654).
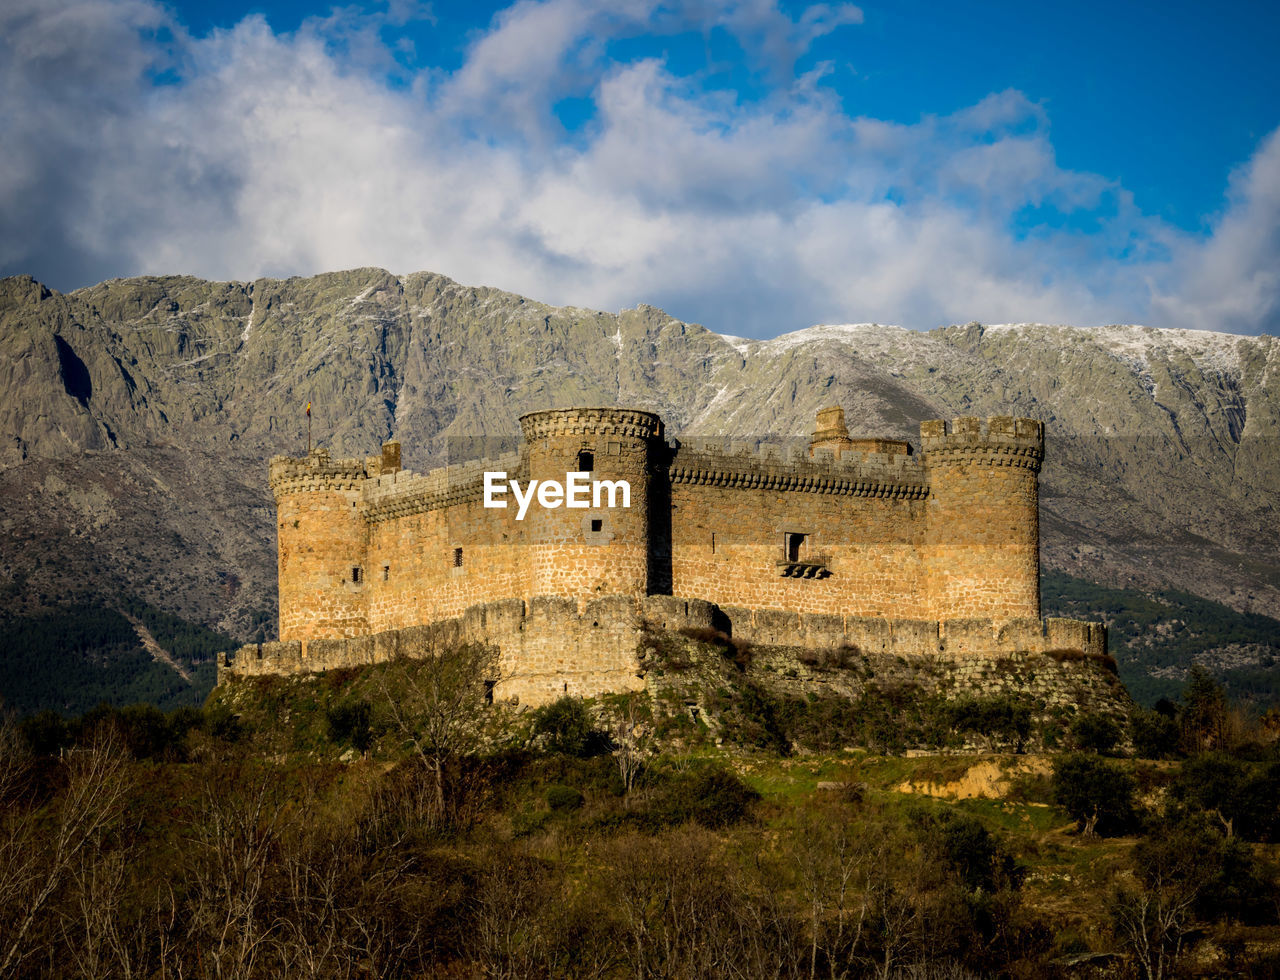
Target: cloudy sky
point(754, 165)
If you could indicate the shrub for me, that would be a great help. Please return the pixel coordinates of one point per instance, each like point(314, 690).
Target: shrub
point(45, 733)
point(709, 795)
point(222, 723)
point(147, 732)
point(820, 723)
point(966, 848)
point(351, 722)
point(1220, 875)
point(1003, 718)
point(1242, 797)
point(1098, 795)
point(1154, 733)
point(561, 798)
point(739, 651)
point(568, 727)
point(749, 715)
point(1095, 733)
point(1074, 655)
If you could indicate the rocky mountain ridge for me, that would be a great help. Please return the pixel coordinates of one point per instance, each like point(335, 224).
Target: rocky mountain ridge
point(138, 416)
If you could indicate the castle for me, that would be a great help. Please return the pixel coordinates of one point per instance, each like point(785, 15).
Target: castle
point(860, 543)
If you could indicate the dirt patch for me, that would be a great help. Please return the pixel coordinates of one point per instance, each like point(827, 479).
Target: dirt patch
point(986, 780)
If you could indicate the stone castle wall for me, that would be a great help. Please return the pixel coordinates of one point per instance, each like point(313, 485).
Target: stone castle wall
point(951, 533)
point(550, 647)
point(861, 518)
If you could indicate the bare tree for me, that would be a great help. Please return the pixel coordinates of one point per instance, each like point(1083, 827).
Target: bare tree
point(98, 940)
point(1153, 921)
point(837, 862)
point(508, 922)
point(36, 866)
point(235, 835)
point(309, 934)
point(438, 706)
point(898, 909)
point(674, 898)
point(632, 728)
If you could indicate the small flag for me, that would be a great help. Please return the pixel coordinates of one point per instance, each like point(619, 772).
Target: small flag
point(308, 409)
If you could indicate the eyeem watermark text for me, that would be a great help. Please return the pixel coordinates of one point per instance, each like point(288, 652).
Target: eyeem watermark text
point(577, 491)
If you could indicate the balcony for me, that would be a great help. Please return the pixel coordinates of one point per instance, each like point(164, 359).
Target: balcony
point(810, 566)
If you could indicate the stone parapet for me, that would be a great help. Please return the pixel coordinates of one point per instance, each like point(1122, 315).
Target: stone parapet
point(628, 422)
point(998, 441)
point(315, 472)
point(793, 469)
point(553, 645)
point(404, 492)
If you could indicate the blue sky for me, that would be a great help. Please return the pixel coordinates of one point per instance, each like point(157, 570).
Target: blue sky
point(756, 166)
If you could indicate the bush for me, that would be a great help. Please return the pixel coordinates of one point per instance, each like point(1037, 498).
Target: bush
point(1155, 734)
point(749, 716)
point(1097, 794)
point(147, 732)
point(222, 723)
point(1095, 733)
point(45, 733)
point(1005, 719)
point(1242, 797)
point(709, 795)
point(561, 798)
point(569, 728)
point(1220, 874)
point(351, 722)
point(961, 844)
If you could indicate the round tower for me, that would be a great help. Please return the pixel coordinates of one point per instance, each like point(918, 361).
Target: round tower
point(322, 546)
point(602, 548)
point(982, 535)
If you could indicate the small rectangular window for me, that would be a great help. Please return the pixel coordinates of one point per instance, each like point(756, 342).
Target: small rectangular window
point(386, 572)
point(586, 461)
point(457, 557)
point(488, 691)
point(597, 524)
point(355, 574)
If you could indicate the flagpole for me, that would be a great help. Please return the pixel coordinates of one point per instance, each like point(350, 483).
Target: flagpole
point(308, 428)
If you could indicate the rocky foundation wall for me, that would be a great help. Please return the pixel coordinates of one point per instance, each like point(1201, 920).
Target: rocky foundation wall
point(552, 646)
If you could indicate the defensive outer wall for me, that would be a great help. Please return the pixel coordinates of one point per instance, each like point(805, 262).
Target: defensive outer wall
point(845, 542)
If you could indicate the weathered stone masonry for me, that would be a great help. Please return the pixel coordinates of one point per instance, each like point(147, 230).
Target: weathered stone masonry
point(855, 542)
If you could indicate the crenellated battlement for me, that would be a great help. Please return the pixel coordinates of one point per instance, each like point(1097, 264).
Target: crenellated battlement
point(998, 441)
point(317, 471)
point(797, 468)
point(400, 494)
point(629, 422)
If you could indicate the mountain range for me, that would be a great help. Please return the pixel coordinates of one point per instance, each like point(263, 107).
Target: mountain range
point(137, 417)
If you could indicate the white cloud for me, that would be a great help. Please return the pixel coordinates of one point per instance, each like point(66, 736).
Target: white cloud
point(1230, 280)
point(280, 154)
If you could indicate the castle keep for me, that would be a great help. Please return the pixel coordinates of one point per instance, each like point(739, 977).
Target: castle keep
point(855, 542)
